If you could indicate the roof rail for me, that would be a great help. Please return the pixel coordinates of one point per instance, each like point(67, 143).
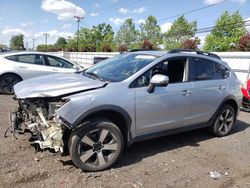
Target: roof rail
point(196, 51)
point(136, 50)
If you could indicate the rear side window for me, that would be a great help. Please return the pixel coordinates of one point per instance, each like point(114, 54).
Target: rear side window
point(225, 71)
point(27, 58)
point(203, 69)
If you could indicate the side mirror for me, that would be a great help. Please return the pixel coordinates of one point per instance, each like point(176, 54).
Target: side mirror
point(158, 80)
point(78, 68)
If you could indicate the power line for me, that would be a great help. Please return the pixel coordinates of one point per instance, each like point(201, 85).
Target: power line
point(208, 29)
point(207, 23)
point(191, 11)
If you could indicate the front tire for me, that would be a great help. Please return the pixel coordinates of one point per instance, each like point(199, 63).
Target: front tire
point(96, 145)
point(224, 121)
point(7, 82)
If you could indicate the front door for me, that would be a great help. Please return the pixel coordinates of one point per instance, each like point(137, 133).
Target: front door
point(59, 65)
point(167, 107)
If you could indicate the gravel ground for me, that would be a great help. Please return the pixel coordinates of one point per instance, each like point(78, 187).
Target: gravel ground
point(182, 160)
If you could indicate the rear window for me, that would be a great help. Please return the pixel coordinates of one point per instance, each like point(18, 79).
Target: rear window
point(225, 71)
point(12, 58)
point(27, 58)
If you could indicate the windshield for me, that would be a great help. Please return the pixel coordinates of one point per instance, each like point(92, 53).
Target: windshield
point(120, 67)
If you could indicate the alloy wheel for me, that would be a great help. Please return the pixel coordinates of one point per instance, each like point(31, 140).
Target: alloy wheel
point(225, 121)
point(98, 147)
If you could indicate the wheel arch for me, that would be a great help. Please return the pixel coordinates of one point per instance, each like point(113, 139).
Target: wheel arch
point(230, 100)
point(232, 103)
point(11, 73)
point(116, 114)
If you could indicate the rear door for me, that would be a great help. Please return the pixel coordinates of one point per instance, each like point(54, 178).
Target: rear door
point(210, 88)
point(30, 65)
point(57, 64)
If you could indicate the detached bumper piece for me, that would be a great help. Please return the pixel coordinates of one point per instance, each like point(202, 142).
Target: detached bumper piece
point(16, 119)
point(245, 105)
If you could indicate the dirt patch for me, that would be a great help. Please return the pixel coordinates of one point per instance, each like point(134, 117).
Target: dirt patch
point(182, 160)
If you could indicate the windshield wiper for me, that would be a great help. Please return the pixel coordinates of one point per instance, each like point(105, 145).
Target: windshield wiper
point(94, 75)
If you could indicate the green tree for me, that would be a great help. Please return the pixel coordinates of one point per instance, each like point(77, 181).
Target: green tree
point(127, 35)
point(94, 38)
point(51, 48)
point(151, 31)
point(48, 48)
point(16, 42)
point(107, 44)
point(61, 43)
point(103, 34)
point(87, 41)
point(71, 44)
point(226, 33)
point(180, 31)
point(41, 48)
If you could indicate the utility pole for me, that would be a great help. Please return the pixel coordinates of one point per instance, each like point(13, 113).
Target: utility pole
point(27, 46)
point(33, 44)
point(77, 36)
point(46, 38)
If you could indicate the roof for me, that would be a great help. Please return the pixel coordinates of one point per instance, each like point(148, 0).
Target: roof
point(4, 54)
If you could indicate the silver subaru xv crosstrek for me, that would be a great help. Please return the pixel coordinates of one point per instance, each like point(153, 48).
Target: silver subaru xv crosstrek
point(95, 113)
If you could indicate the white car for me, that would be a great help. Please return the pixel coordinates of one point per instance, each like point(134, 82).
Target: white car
point(18, 66)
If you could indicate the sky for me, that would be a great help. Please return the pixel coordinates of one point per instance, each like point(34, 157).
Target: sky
point(33, 18)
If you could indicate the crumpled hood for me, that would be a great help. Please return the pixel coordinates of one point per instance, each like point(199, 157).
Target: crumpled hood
point(55, 85)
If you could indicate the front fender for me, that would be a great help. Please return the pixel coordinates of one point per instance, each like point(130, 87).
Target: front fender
point(114, 108)
point(74, 108)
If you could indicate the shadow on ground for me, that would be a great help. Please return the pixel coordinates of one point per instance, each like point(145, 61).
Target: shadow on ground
point(141, 150)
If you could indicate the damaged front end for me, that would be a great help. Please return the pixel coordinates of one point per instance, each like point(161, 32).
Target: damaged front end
point(36, 115)
point(38, 100)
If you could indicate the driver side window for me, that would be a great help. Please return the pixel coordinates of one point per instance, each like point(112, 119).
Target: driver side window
point(175, 69)
point(58, 62)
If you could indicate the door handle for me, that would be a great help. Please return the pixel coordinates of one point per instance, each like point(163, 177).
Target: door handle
point(55, 70)
point(186, 92)
point(22, 67)
point(221, 88)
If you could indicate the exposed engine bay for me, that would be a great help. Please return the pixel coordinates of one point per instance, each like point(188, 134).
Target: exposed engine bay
point(36, 115)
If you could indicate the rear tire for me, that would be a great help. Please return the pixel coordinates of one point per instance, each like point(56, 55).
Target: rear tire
point(96, 145)
point(224, 121)
point(7, 81)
